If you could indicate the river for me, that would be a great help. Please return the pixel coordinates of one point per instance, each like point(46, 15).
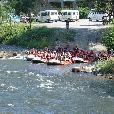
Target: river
point(27, 88)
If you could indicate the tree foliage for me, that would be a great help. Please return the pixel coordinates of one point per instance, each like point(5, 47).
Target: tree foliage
point(99, 5)
point(5, 9)
point(83, 12)
point(24, 6)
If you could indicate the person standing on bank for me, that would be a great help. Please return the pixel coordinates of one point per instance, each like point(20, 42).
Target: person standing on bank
point(67, 24)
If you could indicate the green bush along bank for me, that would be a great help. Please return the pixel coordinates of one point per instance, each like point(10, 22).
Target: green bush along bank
point(21, 35)
point(108, 38)
point(106, 67)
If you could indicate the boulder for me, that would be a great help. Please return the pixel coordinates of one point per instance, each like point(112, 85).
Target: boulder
point(1, 54)
point(76, 69)
point(4, 54)
point(86, 69)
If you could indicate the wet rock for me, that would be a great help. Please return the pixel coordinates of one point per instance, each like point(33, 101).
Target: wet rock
point(14, 54)
point(4, 54)
point(1, 54)
point(99, 74)
point(110, 77)
point(86, 69)
point(76, 69)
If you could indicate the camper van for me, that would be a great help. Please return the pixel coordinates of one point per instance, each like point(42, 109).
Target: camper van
point(71, 15)
point(48, 16)
point(96, 16)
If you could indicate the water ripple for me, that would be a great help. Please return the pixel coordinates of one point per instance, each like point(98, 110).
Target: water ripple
point(27, 88)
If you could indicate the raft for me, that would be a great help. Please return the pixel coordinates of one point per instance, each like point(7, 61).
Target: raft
point(79, 60)
point(54, 62)
point(30, 57)
point(36, 60)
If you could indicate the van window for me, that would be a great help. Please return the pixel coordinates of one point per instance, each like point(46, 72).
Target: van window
point(64, 13)
point(73, 13)
point(43, 14)
point(69, 13)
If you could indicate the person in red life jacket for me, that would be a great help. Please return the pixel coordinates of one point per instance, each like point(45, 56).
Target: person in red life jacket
point(86, 58)
point(76, 49)
point(72, 60)
point(48, 57)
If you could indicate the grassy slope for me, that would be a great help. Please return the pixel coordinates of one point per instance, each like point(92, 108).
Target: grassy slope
point(21, 35)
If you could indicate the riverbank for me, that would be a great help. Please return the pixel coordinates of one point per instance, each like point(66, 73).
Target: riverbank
point(13, 51)
point(46, 37)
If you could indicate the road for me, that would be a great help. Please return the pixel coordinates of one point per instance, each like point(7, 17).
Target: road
point(82, 23)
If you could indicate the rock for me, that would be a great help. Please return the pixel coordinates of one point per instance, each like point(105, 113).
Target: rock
point(76, 69)
point(110, 77)
point(14, 54)
point(99, 74)
point(4, 54)
point(86, 69)
point(1, 54)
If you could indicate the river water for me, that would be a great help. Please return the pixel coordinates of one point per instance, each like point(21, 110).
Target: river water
point(27, 88)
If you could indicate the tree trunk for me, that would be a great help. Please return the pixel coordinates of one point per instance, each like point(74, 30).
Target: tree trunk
point(30, 21)
point(113, 7)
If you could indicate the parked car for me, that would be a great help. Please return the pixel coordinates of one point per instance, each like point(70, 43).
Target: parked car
point(14, 18)
point(96, 16)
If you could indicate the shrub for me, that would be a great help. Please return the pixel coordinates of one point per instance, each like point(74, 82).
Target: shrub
point(8, 33)
point(21, 35)
point(108, 38)
point(106, 67)
point(83, 12)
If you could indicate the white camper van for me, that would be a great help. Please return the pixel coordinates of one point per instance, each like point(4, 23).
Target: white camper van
point(96, 16)
point(48, 16)
point(72, 15)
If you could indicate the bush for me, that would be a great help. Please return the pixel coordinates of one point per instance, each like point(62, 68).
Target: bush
point(106, 67)
point(8, 33)
point(21, 35)
point(108, 38)
point(83, 12)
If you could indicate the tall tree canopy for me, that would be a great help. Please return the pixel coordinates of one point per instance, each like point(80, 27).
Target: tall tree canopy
point(99, 5)
point(24, 6)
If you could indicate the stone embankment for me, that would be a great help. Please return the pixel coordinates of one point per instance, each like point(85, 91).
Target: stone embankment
point(86, 36)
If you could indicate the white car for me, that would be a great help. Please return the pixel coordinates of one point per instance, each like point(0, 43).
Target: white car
point(96, 16)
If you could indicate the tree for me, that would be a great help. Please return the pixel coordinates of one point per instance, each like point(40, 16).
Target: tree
point(24, 6)
point(5, 9)
point(98, 5)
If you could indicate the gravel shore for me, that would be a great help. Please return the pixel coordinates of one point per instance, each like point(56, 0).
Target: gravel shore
point(9, 48)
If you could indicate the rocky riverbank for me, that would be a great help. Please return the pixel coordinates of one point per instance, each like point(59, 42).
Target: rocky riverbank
point(7, 51)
